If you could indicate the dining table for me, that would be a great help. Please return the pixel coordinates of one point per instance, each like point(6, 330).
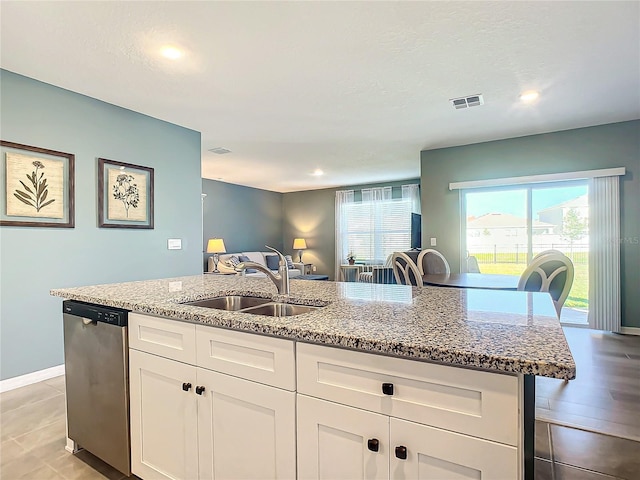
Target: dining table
point(472, 280)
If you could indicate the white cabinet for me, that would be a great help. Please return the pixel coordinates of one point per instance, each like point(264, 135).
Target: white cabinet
point(164, 422)
point(189, 422)
point(245, 430)
point(441, 422)
point(423, 452)
point(340, 442)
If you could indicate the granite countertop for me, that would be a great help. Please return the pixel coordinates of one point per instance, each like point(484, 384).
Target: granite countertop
point(495, 330)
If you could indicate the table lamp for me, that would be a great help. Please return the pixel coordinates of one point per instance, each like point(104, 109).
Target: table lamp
point(299, 244)
point(216, 246)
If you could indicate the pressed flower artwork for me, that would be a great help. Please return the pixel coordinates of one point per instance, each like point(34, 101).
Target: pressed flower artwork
point(125, 195)
point(35, 186)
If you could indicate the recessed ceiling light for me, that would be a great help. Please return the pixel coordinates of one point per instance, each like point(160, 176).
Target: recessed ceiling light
point(171, 53)
point(317, 172)
point(529, 96)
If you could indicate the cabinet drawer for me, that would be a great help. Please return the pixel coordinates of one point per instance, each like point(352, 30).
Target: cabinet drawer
point(266, 360)
point(160, 336)
point(472, 402)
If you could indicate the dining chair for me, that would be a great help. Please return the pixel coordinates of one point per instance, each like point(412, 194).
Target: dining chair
point(472, 265)
point(431, 261)
point(405, 271)
point(553, 273)
point(546, 252)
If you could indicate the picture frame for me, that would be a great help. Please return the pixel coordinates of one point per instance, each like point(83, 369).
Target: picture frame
point(37, 185)
point(125, 195)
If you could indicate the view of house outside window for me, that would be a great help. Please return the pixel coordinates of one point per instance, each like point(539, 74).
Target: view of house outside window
point(505, 228)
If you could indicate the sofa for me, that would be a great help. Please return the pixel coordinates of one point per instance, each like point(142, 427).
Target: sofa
point(259, 257)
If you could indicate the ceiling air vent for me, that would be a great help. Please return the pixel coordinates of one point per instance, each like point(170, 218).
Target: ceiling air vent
point(464, 102)
point(219, 150)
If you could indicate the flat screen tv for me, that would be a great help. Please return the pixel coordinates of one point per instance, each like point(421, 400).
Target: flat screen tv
point(416, 231)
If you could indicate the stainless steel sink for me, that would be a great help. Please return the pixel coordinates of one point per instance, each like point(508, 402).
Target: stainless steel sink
point(232, 302)
point(280, 309)
point(253, 305)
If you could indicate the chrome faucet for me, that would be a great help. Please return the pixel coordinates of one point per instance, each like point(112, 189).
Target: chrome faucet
point(280, 279)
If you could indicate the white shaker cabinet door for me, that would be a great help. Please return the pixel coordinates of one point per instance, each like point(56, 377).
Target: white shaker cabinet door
point(336, 442)
point(246, 430)
point(423, 452)
point(163, 418)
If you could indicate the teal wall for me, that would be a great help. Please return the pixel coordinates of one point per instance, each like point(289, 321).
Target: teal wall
point(605, 146)
point(311, 215)
point(246, 218)
point(35, 260)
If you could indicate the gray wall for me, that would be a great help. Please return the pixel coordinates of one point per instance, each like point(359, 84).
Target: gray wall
point(35, 260)
point(606, 146)
point(311, 215)
point(246, 218)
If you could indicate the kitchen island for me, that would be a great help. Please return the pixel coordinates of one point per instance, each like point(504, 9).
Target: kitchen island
point(462, 363)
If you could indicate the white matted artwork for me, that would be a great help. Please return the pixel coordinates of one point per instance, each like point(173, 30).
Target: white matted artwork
point(125, 195)
point(38, 186)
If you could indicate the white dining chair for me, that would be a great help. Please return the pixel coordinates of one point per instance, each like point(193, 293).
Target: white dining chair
point(405, 271)
point(431, 261)
point(553, 273)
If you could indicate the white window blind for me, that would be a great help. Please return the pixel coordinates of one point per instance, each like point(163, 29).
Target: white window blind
point(373, 230)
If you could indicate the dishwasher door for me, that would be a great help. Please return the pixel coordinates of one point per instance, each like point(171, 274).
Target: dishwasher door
point(97, 384)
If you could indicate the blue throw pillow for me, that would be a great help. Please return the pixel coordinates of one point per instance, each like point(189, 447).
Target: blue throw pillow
point(272, 261)
point(289, 260)
point(244, 258)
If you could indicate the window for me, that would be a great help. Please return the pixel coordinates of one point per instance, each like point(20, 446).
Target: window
point(375, 229)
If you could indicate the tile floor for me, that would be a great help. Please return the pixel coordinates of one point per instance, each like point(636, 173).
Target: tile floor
point(32, 426)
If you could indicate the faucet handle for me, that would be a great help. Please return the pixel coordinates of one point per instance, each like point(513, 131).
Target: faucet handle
point(283, 261)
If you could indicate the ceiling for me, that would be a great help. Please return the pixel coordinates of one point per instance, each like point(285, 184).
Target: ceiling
point(356, 89)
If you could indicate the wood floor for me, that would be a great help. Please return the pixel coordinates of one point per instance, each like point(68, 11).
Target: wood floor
point(604, 397)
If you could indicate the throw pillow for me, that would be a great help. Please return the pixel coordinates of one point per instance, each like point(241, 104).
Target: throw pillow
point(232, 261)
point(272, 261)
point(244, 258)
point(290, 265)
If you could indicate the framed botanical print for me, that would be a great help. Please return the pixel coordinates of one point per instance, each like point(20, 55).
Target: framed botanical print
point(125, 195)
point(37, 187)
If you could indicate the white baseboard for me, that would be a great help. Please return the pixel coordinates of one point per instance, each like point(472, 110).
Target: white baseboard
point(29, 378)
point(630, 330)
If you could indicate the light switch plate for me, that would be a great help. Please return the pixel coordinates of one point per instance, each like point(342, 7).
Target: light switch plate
point(174, 244)
point(433, 241)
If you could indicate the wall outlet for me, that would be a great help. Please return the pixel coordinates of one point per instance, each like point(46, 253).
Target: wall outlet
point(433, 241)
point(313, 269)
point(174, 244)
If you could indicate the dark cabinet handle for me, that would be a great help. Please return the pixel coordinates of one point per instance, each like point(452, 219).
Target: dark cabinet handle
point(186, 386)
point(199, 389)
point(387, 388)
point(373, 444)
point(401, 452)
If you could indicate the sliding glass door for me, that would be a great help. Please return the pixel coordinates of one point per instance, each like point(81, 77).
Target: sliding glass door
point(505, 227)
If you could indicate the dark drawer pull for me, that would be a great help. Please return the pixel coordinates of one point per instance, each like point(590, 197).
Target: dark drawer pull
point(387, 388)
point(199, 389)
point(401, 452)
point(186, 386)
point(373, 444)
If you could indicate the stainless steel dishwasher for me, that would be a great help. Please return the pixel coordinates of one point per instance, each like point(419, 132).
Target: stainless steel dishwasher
point(97, 381)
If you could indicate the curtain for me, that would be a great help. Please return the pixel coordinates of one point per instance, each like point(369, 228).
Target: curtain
point(343, 198)
point(372, 199)
point(412, 192)
point(604, 254)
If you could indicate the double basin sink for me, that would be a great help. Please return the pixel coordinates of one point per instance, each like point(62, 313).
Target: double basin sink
point(253, 305)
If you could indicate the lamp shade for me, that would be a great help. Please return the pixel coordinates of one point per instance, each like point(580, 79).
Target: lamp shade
point(299, 244)
point(216, 245)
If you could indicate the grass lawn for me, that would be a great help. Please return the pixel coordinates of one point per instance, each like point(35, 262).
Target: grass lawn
point(578, 296)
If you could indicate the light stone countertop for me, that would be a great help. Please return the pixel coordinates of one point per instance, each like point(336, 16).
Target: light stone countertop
point(496, 330)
